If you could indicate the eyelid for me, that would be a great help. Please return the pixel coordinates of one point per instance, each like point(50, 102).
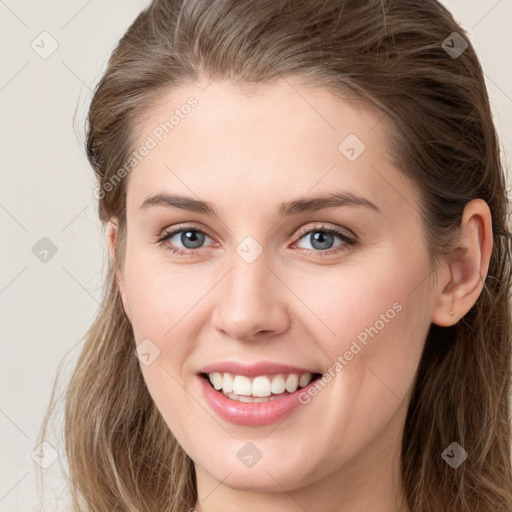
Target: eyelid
point(347, 236)
point(324, 226)
point(184, 227)
point(301, 231)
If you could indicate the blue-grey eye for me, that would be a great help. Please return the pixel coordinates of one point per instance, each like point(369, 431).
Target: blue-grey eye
point(191, 239)
point(323, 239)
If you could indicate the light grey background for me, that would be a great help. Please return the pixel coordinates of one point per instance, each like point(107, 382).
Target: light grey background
point(46, 191)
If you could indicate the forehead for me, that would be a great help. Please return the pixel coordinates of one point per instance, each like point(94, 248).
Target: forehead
point(217, 140)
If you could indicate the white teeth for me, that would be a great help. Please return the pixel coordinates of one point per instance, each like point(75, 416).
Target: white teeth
point(304, 380)
point(243, 398)
point(241, 385)
point(278, 385)
point(292, 382)
point(227, 383)
point(248, 399)
point(261, 386)
point(216, 380)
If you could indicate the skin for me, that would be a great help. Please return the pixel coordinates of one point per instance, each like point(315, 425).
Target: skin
point(246, 153)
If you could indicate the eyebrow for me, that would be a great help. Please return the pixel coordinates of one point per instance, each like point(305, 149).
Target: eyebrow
point(333, 199)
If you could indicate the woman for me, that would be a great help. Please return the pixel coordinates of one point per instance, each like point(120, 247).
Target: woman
point(307, 300)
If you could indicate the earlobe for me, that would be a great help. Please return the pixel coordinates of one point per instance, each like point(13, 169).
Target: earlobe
point(467, 266)
point(112, 239)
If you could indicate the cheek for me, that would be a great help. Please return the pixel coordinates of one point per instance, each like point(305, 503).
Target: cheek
point(165, 303)
point(370, 300)
point(161, 297)
point(371, 322)
point(162, 307)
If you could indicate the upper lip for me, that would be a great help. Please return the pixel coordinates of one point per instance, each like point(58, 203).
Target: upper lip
point(254, 369)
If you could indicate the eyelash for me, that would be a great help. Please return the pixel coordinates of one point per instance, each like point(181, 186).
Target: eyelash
point(348, 241)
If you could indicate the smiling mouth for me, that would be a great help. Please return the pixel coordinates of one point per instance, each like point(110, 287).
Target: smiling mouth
point(258, 389)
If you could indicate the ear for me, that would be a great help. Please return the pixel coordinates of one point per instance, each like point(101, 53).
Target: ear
point(466, 266)
point(112, 238)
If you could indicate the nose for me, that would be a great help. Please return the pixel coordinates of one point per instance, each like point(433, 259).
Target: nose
point(250, 301)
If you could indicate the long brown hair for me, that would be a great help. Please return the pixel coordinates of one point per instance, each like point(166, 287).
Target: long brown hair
point(398, 57)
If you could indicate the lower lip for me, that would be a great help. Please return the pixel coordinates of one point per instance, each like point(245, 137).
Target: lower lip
point(251, 413)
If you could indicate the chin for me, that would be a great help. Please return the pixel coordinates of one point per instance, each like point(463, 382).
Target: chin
point(262, 478)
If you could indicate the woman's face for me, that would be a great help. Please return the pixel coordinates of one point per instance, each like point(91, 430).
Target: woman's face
point(264, 281)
